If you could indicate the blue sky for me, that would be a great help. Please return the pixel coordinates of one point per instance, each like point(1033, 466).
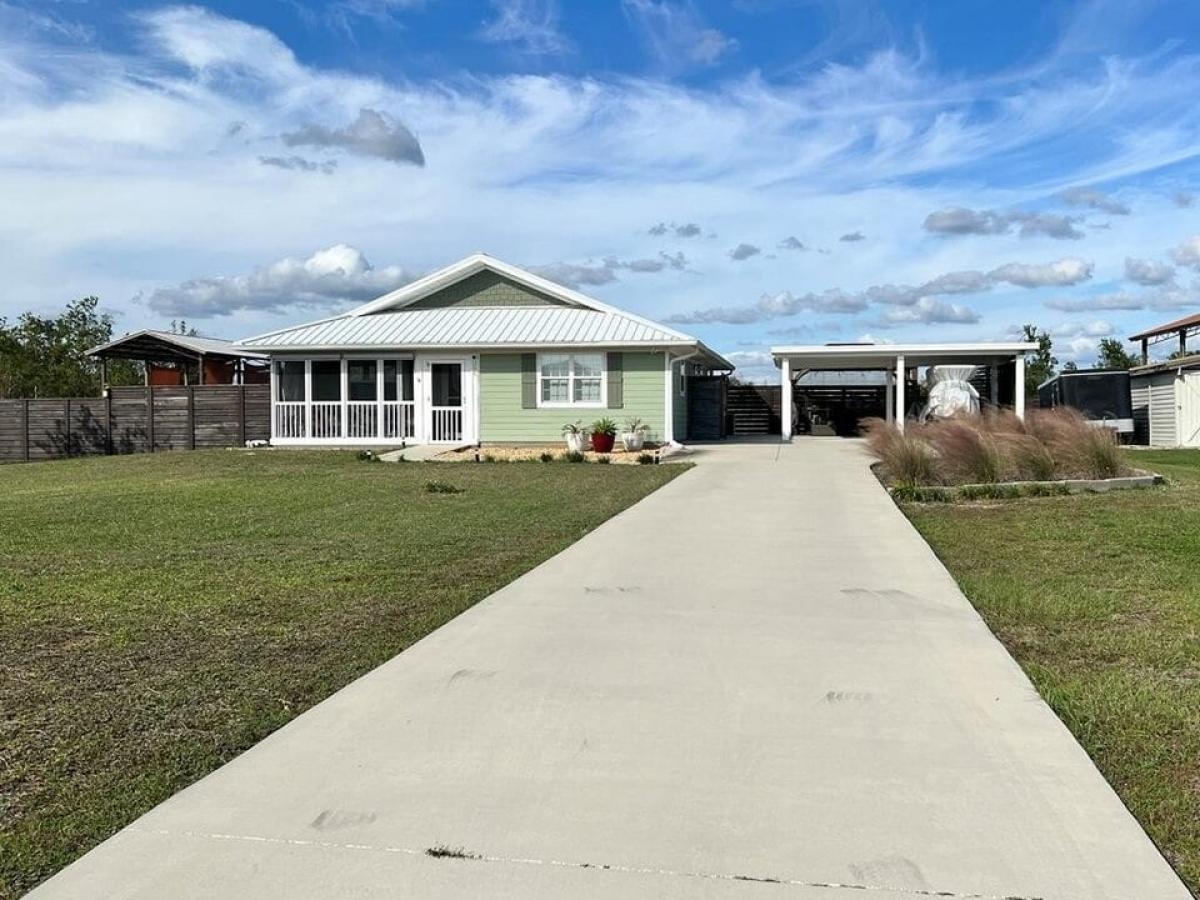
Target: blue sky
point(758, 172)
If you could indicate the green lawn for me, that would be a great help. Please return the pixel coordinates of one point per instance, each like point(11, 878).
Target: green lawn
point(1098, 598)
point(160, 614)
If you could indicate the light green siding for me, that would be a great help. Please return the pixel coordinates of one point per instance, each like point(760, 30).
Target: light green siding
point(678, 403)
point(485, 288)
point(501, 418)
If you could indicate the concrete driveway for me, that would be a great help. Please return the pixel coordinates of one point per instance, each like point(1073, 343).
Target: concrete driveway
point(757, 682)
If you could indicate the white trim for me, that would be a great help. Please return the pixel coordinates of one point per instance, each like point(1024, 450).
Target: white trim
point(901, 372)
point(1019, 395)
point(785, 399)
point(571, 378)
point(887, 351)
point(668, 399)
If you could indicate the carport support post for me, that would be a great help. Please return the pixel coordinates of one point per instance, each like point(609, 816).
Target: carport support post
point(889, 411)
point(785, 398)
point(900, 408)
point(1019, 387)
point(994, 385)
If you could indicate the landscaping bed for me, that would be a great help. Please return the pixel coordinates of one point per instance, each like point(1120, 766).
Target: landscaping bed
point(649, 454)
point(159, 614)
point(1097, 598)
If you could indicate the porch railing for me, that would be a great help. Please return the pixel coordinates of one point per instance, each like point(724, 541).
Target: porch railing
point(399, 419)
point(327, 419)
point(362, 419)
point(445, 424)
point(289, 419)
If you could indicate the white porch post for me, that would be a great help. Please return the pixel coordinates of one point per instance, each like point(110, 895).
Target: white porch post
point(345, 379)
point(785, 398)
point(669, 400)
point(994, 384)
point(379, 399)
point(900, 407)
point(889, 392)
point(308, 394)
point(1019, 387)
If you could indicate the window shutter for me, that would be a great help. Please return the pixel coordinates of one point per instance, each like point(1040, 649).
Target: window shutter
point(615, 372)
point(528, 380)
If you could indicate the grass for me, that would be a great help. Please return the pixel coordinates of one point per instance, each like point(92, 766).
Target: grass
point(1097, 598)
point(160, 614)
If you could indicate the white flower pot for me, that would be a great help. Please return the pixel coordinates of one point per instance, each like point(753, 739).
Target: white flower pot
point(632, 440)
point(576, 443)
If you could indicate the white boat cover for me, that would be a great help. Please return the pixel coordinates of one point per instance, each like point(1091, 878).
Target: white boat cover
point(951, 393)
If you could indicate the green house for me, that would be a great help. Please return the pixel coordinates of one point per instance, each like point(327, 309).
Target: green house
point(478, 352)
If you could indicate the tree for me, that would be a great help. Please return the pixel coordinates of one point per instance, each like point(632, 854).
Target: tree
point(1070, 366)
point(1042, 365)
point(45, 356)
point(1113, 355)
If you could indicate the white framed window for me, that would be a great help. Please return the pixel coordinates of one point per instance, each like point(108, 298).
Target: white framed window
point(571, 379)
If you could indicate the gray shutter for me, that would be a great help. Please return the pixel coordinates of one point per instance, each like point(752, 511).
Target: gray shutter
point(616, 380)
point(528, 380)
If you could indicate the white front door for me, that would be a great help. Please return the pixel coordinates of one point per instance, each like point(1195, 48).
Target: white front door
point(1187, 409)
point(448, 388)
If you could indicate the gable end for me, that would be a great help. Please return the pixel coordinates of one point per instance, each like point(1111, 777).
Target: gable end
point(485, 289)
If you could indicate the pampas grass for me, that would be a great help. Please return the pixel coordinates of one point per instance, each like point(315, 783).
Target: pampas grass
point(1049, 445)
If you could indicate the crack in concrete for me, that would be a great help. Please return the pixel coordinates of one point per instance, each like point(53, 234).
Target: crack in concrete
point(461, 855)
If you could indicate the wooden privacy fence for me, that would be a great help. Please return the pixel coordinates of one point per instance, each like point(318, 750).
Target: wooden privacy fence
point(135, 420)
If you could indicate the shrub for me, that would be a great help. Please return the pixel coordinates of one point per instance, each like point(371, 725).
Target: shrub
point(910, 493)
point(645, 459)
point(573, 456)
point(604, 459)
point(1079, 448)
point(1028, 458)
point(546, 456)
point(489, 458)
point(604, 426)
point(441, 487)
point(367, 456)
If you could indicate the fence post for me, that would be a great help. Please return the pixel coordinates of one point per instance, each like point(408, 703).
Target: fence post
point(108, 439)
point(242, 414)
point(67, 419)
point(150, 417)
point(25, 429)
point(191, 418)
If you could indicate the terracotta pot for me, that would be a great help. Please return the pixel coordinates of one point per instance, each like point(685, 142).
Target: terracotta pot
point(603, 443)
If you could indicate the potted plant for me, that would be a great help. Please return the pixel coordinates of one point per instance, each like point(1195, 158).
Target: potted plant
point(634, 435)
point(576, 436)
point(604, 434)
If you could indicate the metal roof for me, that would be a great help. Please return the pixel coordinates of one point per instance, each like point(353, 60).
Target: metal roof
point(148, 342)
point(875, 356)
point(515, 326)
point(1171, 327)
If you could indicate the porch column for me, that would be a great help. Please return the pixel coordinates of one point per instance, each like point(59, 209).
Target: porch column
point(379, 399)
point(308, 394)
point(1145, 351)
point(345, 394)
point(900, 407)
point(669, 399)
point(889, 413)
point(1019, 387)
point(785, 398)
point(994, 384)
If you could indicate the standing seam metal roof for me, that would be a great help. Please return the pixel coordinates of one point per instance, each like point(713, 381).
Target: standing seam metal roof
point(473, 326)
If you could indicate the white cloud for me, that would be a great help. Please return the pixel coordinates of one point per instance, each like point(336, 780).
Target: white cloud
point(1060, 273)
point(532, 25)
point(1188, 252)
point(1097, 328)
point(931, 311)
point(329, 278)
point(675, 34)
point(1117, 301)
point(958, 220)
point(1148, 271)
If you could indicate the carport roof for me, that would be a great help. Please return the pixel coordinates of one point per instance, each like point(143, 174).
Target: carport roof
point(856, 357)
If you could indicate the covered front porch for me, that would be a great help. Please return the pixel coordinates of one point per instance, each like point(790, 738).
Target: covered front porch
point(898, 362)
point(371, 400)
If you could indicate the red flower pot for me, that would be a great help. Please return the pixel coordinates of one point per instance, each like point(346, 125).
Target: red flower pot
point(603, 443)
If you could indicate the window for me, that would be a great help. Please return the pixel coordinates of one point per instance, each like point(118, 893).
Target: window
point(398, 379)
point(326, 380)
point(361, 375)
point(289, 380)
point(571, 379)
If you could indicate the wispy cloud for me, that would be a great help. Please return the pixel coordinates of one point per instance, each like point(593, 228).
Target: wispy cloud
point(533, 26)
point(744, 251)
point(1148, 271)
point(1188, 252)
point(1093, 199)
point(958, 220)
point(299, 163)
point(791, 243)
point(676, 35)
point(853, 237)
point(686, 230)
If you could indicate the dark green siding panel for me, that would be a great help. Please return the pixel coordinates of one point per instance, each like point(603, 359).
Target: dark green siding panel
point(616, 380)
point(529, 381)
point(485, 288)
